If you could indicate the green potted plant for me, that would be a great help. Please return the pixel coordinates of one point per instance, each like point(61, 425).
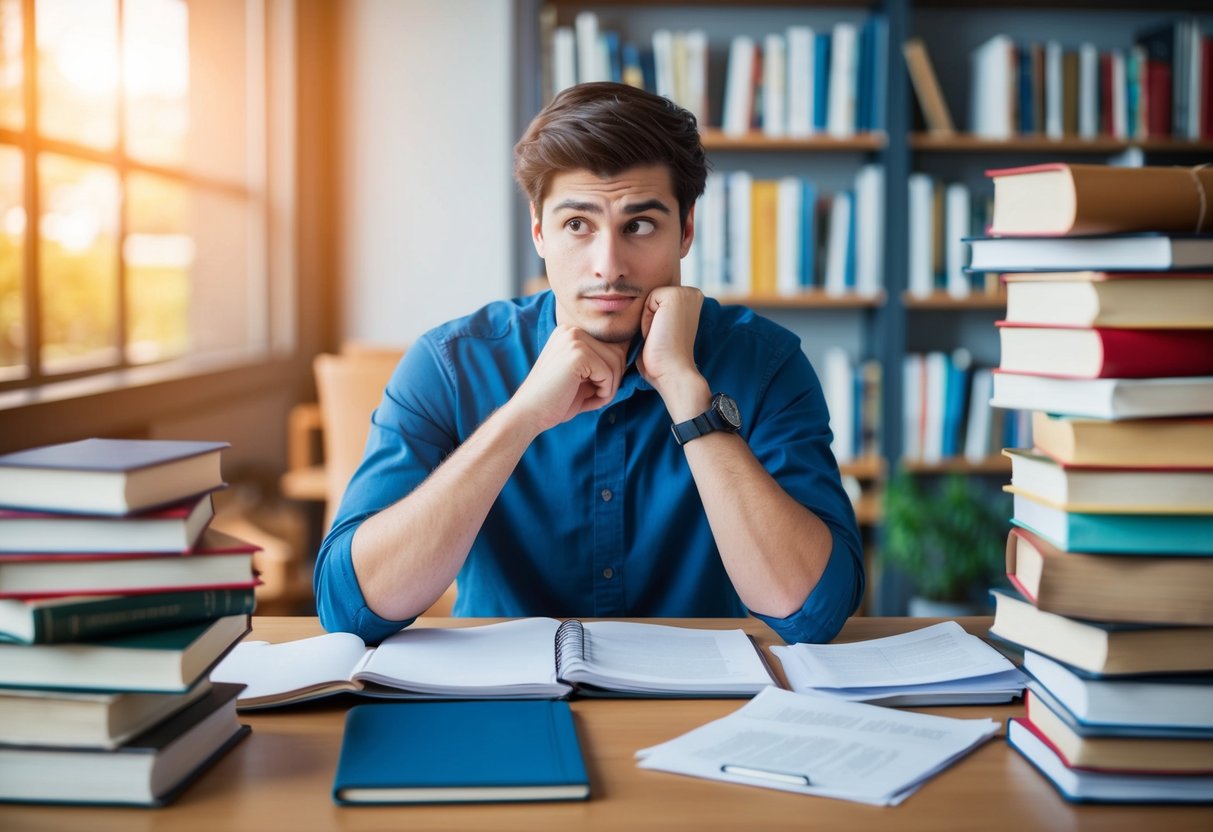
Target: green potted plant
point(948, 536)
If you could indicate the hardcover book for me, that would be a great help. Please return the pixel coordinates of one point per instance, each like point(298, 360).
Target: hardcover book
point(1104, 398)
point(1137, 443)
point(1115, 490)
point(172, 528)
point(460, 752)
point(528, 658)
point(151, 770)
point(219, 561)
point(1083, 786)
point(1074, 352)
point(1099, 199)
point(81, 617)
point(1180, 704)
point(1135, 534)
point(1099, 647)
point(162, 661)
point(1149, 300)
point(1150, 589)
point(109, 476)
point(1120, 252)
point(1108, 750)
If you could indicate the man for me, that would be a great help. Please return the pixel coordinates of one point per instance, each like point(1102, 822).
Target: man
point(528, 448)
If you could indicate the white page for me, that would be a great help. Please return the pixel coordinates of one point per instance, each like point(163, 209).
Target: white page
point(844, 749)
point(662, 657)
point(931, 654)
point(493, 657)
point(304, 664)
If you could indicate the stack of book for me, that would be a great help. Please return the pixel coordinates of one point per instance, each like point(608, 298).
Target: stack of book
point(116, 600)
point(1111, 549)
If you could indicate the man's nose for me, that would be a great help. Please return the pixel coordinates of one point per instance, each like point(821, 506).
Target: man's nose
point(608, 256)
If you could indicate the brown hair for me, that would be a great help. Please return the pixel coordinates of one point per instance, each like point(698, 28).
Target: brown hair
point(608, 128)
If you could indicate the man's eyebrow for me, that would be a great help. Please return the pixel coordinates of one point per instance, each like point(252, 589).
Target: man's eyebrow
point(647, 205)
point(593, 208)
point(574, 205)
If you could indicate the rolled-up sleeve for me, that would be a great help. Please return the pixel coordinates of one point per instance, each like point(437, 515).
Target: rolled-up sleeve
point(409, 436)
point(791, 437)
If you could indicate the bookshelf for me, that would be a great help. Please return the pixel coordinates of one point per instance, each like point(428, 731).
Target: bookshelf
point(893, 323)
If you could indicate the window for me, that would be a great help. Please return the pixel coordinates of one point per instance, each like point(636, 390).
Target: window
point(135, 135)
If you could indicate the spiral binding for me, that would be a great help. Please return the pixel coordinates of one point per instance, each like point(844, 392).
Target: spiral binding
point(571, 636)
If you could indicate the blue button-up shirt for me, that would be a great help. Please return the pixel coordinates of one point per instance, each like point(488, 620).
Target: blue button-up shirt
point(601, 517)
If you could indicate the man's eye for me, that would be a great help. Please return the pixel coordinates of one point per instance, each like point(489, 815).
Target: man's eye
point(577, 226)
point(641, 227)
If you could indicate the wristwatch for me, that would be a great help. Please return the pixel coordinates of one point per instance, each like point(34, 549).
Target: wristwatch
point(722, 414)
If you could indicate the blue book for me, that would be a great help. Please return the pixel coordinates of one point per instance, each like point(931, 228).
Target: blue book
point(863, 83)
point(851, 236)
point(460, 752)
point(808, 235)
point(1136, 534)
point(953, 408)
point(821, 80)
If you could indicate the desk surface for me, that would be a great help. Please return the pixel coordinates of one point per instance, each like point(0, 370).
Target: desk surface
point(281, 776)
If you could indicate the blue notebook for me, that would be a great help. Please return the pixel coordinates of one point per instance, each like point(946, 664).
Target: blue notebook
point(460, 752)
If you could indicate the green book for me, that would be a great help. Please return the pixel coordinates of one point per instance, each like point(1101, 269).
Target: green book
point(83, 617)
point(160, 660)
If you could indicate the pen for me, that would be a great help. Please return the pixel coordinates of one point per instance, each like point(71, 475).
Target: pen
point(766, 774)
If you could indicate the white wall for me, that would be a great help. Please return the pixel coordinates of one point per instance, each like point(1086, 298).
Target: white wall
point(426, 138)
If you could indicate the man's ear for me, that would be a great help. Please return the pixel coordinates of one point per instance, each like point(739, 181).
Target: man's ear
point(537, 229)
point(688, 232)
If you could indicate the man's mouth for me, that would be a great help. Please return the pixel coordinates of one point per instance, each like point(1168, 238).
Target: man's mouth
point(610, 301)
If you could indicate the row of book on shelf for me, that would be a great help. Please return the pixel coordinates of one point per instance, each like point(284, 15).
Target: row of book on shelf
point(796, 82)
point(1110, 555)
point(117, 599)
point(1156, 86)
point(786, 236)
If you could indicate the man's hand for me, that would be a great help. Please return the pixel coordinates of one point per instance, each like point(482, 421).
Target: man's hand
point(575, 373)
point(669, 324)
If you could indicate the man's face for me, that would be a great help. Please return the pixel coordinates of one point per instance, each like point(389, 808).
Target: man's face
point(607, 243)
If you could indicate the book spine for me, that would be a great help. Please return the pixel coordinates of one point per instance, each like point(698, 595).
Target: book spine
point(93, 619)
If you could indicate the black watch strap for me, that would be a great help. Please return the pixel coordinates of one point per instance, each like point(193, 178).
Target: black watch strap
point(709, 421)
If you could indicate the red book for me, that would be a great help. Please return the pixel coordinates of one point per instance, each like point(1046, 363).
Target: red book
point(219, 561)
point(1206, 127)
point(1105, 94)
point(1077, 352)
point(174, 528)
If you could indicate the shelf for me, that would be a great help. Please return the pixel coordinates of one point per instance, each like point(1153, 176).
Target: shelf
point(967, 143)
point(958, 465)
point(942, 300)
point(868, 468)
point(715, 139)
point(813, 299)
point(869, 511)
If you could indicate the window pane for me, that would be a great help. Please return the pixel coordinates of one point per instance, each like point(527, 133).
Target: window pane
point(78, 263)
point(156, 68)
point(78, 70)
point(158, 254)
point(222, 82)
point(12, 264)
point(12, 65)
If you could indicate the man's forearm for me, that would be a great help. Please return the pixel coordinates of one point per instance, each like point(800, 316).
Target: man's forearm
point(774, 549)
point(408, 554)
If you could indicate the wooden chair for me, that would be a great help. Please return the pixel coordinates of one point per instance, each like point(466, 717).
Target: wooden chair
point(349, 387)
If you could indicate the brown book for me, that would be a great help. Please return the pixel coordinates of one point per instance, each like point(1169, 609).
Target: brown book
point(1147, 590)
point(1069, 93)
point(1065, 199)
point(926, 87)
point(764, 218)
point(1097, 647)
point(1131, 443)
point(1114, 753)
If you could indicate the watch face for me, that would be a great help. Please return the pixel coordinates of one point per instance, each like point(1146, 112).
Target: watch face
point(727, 408)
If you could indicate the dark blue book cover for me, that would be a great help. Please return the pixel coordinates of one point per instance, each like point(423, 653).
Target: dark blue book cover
point(460, 752)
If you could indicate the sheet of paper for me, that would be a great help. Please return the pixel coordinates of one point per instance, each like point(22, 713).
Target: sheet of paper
point(937, 653)
point(833, 748)
point(300, 665)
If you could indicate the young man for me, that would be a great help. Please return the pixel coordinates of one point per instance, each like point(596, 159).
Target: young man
point(617, 446)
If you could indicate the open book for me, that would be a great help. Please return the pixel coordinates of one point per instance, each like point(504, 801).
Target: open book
point(528, 658)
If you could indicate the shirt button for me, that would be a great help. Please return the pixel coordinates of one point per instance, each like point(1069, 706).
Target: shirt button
point(611, 418)
point(606, 497)
point(608, 573)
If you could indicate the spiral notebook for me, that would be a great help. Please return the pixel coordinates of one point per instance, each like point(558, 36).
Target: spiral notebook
point(527, 658)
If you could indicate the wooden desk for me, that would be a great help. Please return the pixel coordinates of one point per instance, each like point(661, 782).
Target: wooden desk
point(280, 778)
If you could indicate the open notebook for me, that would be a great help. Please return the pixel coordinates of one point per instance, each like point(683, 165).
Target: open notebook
point(528, 658)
